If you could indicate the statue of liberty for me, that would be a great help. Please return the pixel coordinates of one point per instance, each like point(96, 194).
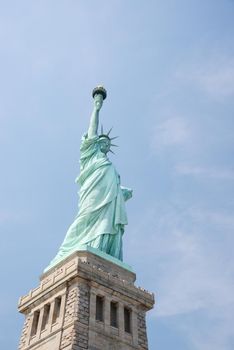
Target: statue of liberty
point(101, 216)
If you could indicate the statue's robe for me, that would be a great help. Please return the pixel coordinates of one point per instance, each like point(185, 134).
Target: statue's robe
point(101, 217)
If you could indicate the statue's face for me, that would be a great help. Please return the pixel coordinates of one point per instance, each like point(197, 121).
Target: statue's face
point(104, 145)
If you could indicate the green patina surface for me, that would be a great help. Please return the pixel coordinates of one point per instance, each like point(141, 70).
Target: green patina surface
point(102, 216)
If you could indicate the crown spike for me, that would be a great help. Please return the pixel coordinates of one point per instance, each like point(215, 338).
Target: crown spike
point(109, 131)
point(113, 138)
point(112, 151)
point(112, 144)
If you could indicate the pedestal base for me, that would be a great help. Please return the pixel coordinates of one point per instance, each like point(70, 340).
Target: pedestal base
point(86, 302)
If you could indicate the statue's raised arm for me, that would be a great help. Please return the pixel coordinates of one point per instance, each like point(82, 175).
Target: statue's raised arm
point(99, 94)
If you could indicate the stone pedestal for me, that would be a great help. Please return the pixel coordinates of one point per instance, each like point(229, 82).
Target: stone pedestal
point(86, 302)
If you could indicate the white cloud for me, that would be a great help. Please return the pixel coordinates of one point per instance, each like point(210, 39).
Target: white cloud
point(190, 277)
point(222, 219)
point(171, 132)
point(215, 331)
point(214, 75)
point(192, 271)
point(207, 172)
point(8, 216)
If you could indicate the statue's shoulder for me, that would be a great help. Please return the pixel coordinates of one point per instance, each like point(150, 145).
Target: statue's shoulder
point(89, 146)
point(88, 141)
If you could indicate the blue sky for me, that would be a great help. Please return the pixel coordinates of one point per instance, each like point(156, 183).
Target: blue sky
point(168, 67)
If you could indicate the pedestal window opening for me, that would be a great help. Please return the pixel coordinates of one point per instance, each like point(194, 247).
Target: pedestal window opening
point(35, 323)
point(127, 320)
point(114, 314)
point(45, 318)
point(99, 308)
point(57, 307)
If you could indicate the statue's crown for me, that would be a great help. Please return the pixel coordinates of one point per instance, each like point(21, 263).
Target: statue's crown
point(103, 135)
